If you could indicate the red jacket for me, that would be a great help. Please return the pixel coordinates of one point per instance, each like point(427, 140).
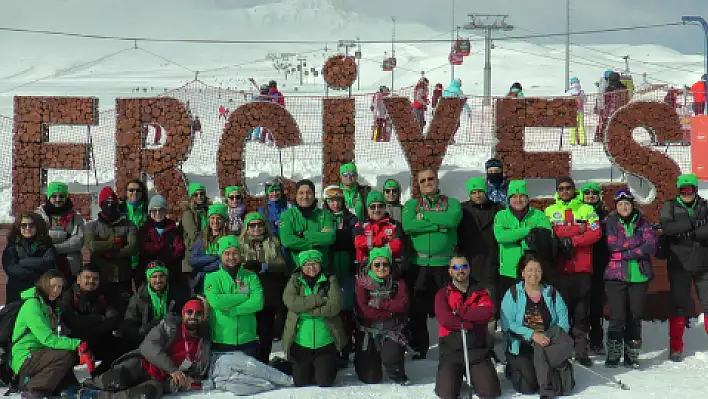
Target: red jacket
point(394, 307)
point(374, 234)
point(167, 247)
point(564, 218)
point(277, 96)
point(452, 312)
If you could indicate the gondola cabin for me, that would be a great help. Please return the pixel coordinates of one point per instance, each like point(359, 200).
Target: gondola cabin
point(389, 64)
point(454, 58)
point(462, 47)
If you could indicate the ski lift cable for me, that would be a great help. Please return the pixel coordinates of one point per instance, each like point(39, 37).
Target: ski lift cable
point(165, 59)
point(223, 41)
point(257, 61)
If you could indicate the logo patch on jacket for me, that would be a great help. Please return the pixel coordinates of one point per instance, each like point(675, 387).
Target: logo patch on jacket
point(388, 231)
point(595, 226)
point(558, 216)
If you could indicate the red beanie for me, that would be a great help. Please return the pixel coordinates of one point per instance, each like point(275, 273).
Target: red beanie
point(106, 193)
point(194, 305)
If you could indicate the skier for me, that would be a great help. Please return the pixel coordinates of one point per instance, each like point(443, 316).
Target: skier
point(381, 130)
point(420, 101)
point(577, 135)
point(260, 134)
point(699, 95)
point(437, 93)
point(275, 93)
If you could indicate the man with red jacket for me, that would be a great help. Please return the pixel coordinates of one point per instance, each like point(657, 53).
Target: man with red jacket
point(275, 94)
point(577, 227)
point(377, 231)
point(464, 307)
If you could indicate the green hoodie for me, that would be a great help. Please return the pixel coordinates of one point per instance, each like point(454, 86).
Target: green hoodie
point(298, 233)
point(511, 236)
point(434, 235)
point(35, 317)
point(233, 320)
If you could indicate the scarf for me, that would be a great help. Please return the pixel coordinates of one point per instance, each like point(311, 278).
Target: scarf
point(159, 303)
point(212, 245)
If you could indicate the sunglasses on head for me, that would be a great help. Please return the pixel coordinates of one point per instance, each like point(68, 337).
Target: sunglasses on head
point(459, 267)
point(379, 265)
point(348, 174)
point(591, 192)
point(426, 179)
point(374, 207)
point(155, 264)
point(135, 190)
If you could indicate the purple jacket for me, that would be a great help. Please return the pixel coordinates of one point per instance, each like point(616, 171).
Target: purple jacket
point(640, 247)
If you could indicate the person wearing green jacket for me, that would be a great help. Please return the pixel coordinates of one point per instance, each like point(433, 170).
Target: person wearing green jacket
point(511, 227)
point(313, 333)
point(354, 193)
point(305, 226)
point(41, 358)
point(235, 296)
point(431, 223)
point(134, 208)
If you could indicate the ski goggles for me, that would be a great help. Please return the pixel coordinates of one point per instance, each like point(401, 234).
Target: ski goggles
point(458, 267)
point(333, 192)
point(624, 195)
point(591, 192)
point(687, 190)
point(349, 174)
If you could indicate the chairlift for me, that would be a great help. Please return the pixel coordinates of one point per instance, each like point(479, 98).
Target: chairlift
point(462, 47)
point(299, 68)
point(357, 55)
point(313, 69)
point(454, 58)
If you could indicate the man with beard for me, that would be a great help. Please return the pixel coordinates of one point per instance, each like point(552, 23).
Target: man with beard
point(496, 183)
point(66, 228)
point(174, 357)
point(88, 314)
point(112, 241)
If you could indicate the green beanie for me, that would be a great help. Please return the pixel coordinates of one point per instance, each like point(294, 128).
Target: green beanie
point(194, 187)
point(57, 187)
point(476, 183)
point(219, 209)
point(347, 167)
point(381, 252)
point(227, 242)
point(687, 180)
point(228, 190)
point(311, 254)
point(392, 184)
point(273, 188)
point(375, 196)
point(517, 187)
point(157, 267)
point(253, 216)
point(591, 186)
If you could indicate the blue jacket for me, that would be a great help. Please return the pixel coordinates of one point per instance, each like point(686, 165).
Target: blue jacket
point(455, 91)
point(201, 261)
point(272, 212)
point(512, 315)
point(497, 194)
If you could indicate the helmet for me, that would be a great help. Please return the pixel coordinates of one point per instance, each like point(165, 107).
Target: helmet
point(333, 192)
point(624, 195)
point(574, 81)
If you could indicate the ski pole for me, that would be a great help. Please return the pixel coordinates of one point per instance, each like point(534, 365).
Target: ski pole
point(612, 380)
point(467, 362)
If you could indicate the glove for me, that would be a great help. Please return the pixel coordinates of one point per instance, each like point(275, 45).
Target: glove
point(244, 289)
point(119, 242)
point(86, 357)
point(565, 247)
point(616, 256)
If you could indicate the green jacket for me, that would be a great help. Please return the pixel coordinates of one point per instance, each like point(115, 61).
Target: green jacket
point(355, 199)
point(34, 326)
point(233, 318)
point(313, 314)
point(298, 233)
point(138, 216)
point(511, 236)
point(434, 236)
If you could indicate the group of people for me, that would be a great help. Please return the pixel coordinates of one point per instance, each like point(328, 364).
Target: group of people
point(361, 274)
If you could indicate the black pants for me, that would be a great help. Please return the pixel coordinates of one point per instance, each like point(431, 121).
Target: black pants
point(424, 282)
point(502, 287)
point(107, 349)
point(575, 290)
point(483, 374)
point(127, 380)
point(626, 302)
point(680, 282)
point(266, 331)
point(367, 363)
point(596, 305)
point(521, 371)
point(318, 366)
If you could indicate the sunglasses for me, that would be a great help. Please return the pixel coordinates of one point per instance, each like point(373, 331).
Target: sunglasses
point(234, 197)
point(426, 179)
point(566, 188)
point(196, 313)
point(310, 264)
point(199, 194)
point(374, 207)
point(26, 225)
point(591, 192)
point(463, 266)
point(57, 197)
point(135, 190)
point(348, 174)
point(380, 265)
point(391, 190)
point(687, 190)
point(256, 225)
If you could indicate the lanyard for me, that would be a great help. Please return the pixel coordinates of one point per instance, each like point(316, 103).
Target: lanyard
point(426, 206)
point(200, 348)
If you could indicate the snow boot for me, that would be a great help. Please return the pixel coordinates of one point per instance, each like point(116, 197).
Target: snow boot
point(614, 353)
point(632, 349)
point(583, 359)
point(677, 326)
point(597, 349)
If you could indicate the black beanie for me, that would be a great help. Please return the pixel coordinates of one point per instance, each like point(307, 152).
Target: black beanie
point(565, 179)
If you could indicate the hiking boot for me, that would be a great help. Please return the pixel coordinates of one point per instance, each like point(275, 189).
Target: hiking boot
point(632, 349)
point(614, 353)
point(418, 356)
point(676, 356)
point(597, 349)
point(583, 360)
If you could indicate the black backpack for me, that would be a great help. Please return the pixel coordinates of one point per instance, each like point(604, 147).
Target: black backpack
point(8, 316)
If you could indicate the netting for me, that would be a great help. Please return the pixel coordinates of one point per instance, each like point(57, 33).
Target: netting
point(473, 143)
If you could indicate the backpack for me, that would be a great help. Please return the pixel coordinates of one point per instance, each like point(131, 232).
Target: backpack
point(551, 293)
point(8, 316)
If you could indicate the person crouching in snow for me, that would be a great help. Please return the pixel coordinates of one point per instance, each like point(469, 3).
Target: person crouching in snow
point(314, 333)
point(534, 318)
point(174, 357)
point(632, 242)
point(381, 307)
point(684, 221)
point(577, 135)
point(464, 307)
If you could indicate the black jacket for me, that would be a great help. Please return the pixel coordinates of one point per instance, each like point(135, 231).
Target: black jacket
point(24, 264)
point(686, 235)
point(600, 253)
point(475, 239)
point(139, 318)
point(88, 315)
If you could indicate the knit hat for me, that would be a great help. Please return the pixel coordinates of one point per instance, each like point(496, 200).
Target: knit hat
point(219, 209)
point(154, 267)
point(273, 188)
point(574, 80)
point(375, 196)
point(228, 190)
point(687, 180)
point(624, 195)
point(311, 254)
point(347, 167)
point(476, 183)
point(105, 194)
point(392, 184)
point(493, 163)
point(57, 187)
point(381, 252)
point(227, 242)
point(591, 186)
point(517, 187)
point(157, 201)
point(565, 179)
point(195, 305)
point(253, 216)
point(194, 187)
